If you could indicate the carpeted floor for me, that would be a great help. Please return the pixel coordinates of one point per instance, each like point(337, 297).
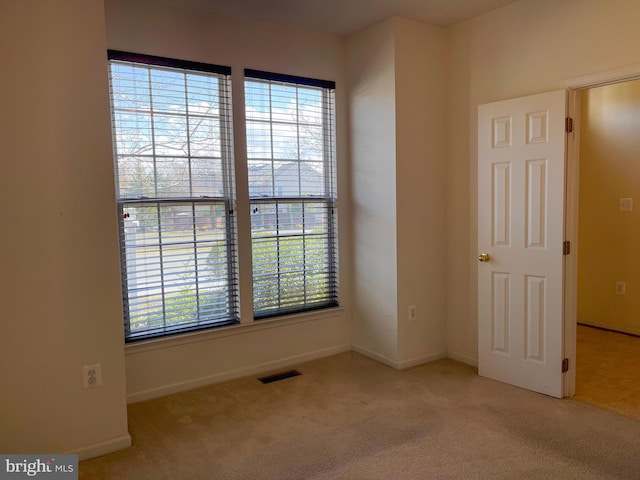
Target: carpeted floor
point(348, 417)
point(608, 364)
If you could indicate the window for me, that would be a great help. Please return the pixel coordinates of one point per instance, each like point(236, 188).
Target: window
point(291, 168)
point(174, 190)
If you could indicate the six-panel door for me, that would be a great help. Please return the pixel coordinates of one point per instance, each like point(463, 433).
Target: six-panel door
point(521, 166)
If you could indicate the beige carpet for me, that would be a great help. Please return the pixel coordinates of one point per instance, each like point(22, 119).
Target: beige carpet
point(348, 417)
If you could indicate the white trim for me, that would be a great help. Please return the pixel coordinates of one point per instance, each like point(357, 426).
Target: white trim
point(236, 373)
point(458, 357)
point(398, 365)
point(238, 329)
point(606, 77)
point(102, 448)
point(608, 326)
point(570, 294)
point(421, 360)
point(375, 356)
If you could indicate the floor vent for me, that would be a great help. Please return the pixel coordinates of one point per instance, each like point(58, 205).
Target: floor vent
point(280, 376)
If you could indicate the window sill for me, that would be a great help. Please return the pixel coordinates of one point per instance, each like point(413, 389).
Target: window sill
point(239, 329)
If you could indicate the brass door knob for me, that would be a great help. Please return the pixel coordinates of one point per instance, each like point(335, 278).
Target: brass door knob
point(484, 257)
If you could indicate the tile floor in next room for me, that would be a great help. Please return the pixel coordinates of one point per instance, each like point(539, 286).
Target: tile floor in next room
point(608, 365)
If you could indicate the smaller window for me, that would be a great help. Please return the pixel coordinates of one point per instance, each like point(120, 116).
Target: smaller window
point(291, 163)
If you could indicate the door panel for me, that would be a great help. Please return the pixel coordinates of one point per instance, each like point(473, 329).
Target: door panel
point(521, 165)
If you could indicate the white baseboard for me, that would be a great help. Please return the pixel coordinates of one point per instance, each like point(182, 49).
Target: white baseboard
point(236, 373)
point(463, 359)
point(421, 360)
point(102, 448)
point(609, 326)
point(374, 356)
point(398, 365)
point(287, 362)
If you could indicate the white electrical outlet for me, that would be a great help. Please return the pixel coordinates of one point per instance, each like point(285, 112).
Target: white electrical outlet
point(621, 288)
point(92, 375)
point(412, 313)
point(626, 204)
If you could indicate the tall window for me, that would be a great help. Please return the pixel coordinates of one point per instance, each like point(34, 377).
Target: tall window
point(174, 189)
point(291, 166)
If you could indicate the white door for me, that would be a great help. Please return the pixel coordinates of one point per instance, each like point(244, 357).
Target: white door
point(521, 166)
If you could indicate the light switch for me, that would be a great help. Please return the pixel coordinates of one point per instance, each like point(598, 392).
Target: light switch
point(626, 204)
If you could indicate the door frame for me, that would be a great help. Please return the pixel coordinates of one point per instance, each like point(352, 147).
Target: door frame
point(574, 88)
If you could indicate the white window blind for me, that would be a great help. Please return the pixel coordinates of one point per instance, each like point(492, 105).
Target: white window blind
point(175, 195)
point(290, 124)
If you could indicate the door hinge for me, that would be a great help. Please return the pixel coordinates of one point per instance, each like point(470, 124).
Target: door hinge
point(566, 247)
point(568, 124)
point(565, 365)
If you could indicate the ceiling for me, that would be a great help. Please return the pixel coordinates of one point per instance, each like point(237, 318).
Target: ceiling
point(344, 17)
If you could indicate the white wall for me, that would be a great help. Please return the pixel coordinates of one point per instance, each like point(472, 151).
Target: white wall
point(421, 76)
point(397, 87)
point(527, 47)
point(372, 102)
point(60, 305)
point(170, 30)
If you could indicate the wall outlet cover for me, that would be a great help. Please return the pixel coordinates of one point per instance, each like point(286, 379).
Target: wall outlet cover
point(626, 204)
point(92, 375)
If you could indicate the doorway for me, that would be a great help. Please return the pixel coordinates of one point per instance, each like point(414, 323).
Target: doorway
point(494, 131)
point(608, 277)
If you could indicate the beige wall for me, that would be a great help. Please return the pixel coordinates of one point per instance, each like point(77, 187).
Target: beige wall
point(371, 74)
point(528, 47)
point(609, 170)
point(397, 74)
point(421, 78)
point(171, 30)
point(60, 307)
